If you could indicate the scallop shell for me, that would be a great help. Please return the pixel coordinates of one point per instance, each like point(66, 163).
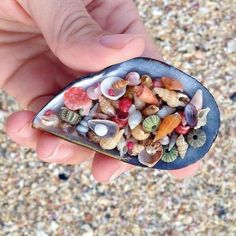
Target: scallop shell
point(106, 107)
point(172, 98)
point(137, 148)
point(134, 119)
point(93, 137)
point(182, 146)
point(165, 140)
point(146, 80)
point(50, 120)
point(150, 160)
point(106, 85)
point(139, 104)
point(133, 78)
point(145, 94)
point(103, 128)
point(202, 117)
point(165, 111)
point(122, 148)
point(111, 143)
point(168, 125)
point(69, 116)
point(150, 110)
point(120, 84)
point(139, 134)
point(169, 155)
point(150, 123)
point(171, 84)
point(173, 138)
point(197, 99)
point(196, 138)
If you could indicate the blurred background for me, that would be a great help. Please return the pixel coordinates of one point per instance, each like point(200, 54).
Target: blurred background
point(41, 199)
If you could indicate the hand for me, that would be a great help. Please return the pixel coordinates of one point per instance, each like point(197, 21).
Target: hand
point(45, 45)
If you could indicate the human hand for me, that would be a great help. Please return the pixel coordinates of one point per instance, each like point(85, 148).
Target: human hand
point(45, 45)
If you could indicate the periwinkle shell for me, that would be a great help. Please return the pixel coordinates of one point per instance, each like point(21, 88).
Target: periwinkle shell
point(155, 69)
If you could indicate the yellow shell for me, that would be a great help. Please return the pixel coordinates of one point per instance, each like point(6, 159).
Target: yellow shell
point(146, 80)
point(111, 143)
point(120, 84)
point(106, 107)
point(139, 134)
point(172, 98)
point(182, 146)
point(150, 110)
point(137, 148)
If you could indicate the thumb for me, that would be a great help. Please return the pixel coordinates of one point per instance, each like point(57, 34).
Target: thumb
point(76, 39)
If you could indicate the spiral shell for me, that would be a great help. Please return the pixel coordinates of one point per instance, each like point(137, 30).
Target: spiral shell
point(50, 120)
point(120, 84)
point(137, 148)
point(139, 134)
point(196, 138)
point(114, 103)
point(111, 143)
point(169, 155)
point(150, 123)
point(172, 98)
point(93, 137)
point(129, 92)
point(133, 78)
point(69, 116)
point(182, 146)
point(146, 80)
point(150, 110)
point(134, 119)
point(202, 117)
point(106, 107)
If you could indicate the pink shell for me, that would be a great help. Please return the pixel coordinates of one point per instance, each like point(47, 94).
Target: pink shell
point(94, 92)
point(125, 104)
point(133, 78)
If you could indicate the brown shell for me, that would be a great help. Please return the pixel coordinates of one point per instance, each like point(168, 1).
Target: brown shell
point(106, 106)
point(150, 110)
point(139, 134)
point(111, 143)
point(146, 80)
point(93, 137)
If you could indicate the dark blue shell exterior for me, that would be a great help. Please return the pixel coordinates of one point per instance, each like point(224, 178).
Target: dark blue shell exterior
point(155, 69)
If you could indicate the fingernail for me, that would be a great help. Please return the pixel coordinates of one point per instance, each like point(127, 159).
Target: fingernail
point(117, 41)
point(117, 173)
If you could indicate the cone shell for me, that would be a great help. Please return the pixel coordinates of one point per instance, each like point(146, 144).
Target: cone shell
point(139, 134)
point(168, 125)
point(69, 116)
point(106, 107)
point(120, 84)
point(150, 123)
point(146, 95)
point(171, 84)
point(172, 98)
point(182, 146)
point(137, 149)
point(111, 143)
point(134, 119)
point(150, 110)
point(197, 99)
point(146, 80)
point(93, 137)
point(202, 117)
point(150, 160)
point(50, 120)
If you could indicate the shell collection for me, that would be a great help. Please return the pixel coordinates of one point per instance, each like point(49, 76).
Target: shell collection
point(152, 119)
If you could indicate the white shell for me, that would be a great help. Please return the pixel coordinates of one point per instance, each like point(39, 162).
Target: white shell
point(122, 148)
point(50, 120)
point(165, 111)
point(82, 129)
point(94, 92)
point(132, 109)
point(100, 129)
point(107, 83)
point(202, 117)
point(135, 119)
point(197, 99)
point(133, 78)
point(139, 104)
point(165, 140)
point(173, 138)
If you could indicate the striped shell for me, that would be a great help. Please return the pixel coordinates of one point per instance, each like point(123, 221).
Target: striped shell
point(111, 143)
point(150, 123)
point(169, 156)
point(120, 84)
point(106, 107)
point(182, 146)
point(196, 138)
point(139, 134)
point(69, 116)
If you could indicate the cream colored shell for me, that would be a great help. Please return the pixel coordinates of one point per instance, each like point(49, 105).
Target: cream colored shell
point(182, 146)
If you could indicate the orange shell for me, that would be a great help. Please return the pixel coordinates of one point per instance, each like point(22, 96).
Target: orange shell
point(168, 124)
point(145, 94)
point(172, 84)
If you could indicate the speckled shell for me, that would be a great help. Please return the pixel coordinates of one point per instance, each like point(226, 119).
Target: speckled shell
point(50, 120)
point(69, 116)
point(182, 146)
point(120, 84)
point(150, 110)
point(106, 106)
point(93, 137)
point(146, 80)
point(172, 98)
point(169, 156)
point(111, 143)
point(200, 139)
point(202, 117)
point(150, 123)
point(137, 149)
point(139, 134)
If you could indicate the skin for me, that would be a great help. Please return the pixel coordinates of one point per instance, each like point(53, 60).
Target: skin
point(44, 45)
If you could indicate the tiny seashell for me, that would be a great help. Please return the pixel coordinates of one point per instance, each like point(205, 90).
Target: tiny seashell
point(165, 140)
point(85, 110)
point(173, 138)
point(172, 98)
point(171, 84)
point(93, 137)
point(181, 129)
point(196, 138)
point(106, 107)
point(127, 132)
point(145, 94)
point(202, 117)
point(190, 114)
point(121, 118)
point(150, 110)
point(137, 148)
point(67, 128)
point(106, 85)
point(197, 99)
point(139, 134)
point(129, 92)
point(120, 84)
point(114, 103)
point(165, 111)
point(134, 119)
point(169, 155)
point(111, 143)
point(132, 109)
point(50, 120)
point(121, 146)
point(125, 104)
point(157, 83)
point(81, 129)
point(133, 78)
point(103, 128)
point(146, 80)
point(150, 160)
point(93, 110)
point(94, 91)
point(69, 116)
point(101, 116)
point(139, 104)
point(182, 146)
point(151, 123)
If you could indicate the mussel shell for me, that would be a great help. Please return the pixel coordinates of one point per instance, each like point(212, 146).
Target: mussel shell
point(155, 69)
